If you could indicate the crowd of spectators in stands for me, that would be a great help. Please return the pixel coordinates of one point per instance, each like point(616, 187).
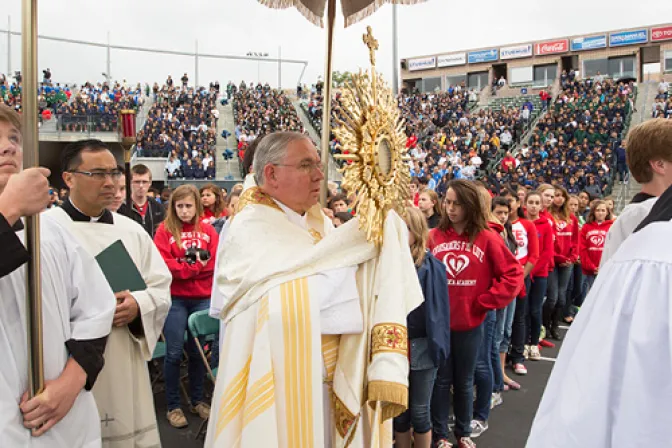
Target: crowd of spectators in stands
point(182, 126)
point(577, 144)
point(662, 106)
point(260, 110)
point(95, 107)
point(50, 95)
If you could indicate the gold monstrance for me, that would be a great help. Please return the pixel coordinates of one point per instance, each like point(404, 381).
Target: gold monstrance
point(373, 144)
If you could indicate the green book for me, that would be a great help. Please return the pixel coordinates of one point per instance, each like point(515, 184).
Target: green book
point(119, 269)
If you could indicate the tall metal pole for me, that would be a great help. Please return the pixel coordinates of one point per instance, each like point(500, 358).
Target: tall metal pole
point(9, 46)
point(109, 73)
point(326, 102)
point(280, 68)
point(395, 51)
point(30, 160)
point(196, 65)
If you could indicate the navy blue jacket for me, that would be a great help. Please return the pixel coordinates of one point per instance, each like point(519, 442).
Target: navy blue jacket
point(432, 318)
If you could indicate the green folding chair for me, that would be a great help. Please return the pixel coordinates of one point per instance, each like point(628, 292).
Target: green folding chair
point(201, 325)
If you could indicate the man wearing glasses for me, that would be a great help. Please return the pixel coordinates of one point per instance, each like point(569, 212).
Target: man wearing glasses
point(123, 392)
point(291, 289)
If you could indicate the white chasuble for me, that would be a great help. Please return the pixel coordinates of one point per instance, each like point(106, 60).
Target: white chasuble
point(611, 385)
point(123, 391)
point(284, 345)
point(77, 304)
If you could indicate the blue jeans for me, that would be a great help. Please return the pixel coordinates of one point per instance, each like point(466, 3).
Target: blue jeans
point(173, 331)
point(535, 299)
point(575, 291)
point(504, 327)
point(588, 281)
point(458, 371)
point(558, 282)
point(488, 373)
point(421, 384)
point(519, 329)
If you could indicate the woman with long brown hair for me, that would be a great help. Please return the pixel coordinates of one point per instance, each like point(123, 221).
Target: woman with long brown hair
point(566, 253)
point(212, 199)
point(429, 335)
point(188, 246)
point(482, 275)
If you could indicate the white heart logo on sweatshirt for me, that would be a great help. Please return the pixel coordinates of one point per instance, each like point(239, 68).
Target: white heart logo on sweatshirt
point(562, 225)
point(455, 264)
point(597, 240)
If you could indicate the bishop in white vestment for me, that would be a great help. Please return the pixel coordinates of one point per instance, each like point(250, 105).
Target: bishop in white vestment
point(77, 306)
point(123, 392)
point(315, 348)
point(611, 385)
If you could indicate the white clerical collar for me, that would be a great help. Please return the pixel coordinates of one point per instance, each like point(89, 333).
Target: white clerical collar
point(295, 218)
point(93, 218)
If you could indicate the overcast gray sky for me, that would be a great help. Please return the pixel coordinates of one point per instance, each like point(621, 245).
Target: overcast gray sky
point(239, 26)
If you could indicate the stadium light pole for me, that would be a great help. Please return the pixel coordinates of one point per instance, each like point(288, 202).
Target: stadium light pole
point(108, 73)
point(9, 45)
point(395, 52)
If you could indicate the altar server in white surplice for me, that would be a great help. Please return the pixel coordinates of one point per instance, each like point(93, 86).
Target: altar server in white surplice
point(617, 396)
point(315, 337)
point(77, 307)
point(649, 154)
point(123, 392)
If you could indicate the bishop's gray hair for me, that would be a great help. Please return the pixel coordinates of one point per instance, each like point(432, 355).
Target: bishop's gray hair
point(272, 149)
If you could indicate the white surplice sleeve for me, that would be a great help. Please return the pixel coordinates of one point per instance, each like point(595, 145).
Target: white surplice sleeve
point(154, 302)
point(610, 386)
point(92, 300)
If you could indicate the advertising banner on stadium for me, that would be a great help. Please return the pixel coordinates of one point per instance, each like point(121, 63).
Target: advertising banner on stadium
point(449, 60)
point(483, 56)
point(421, 63)
point(589, 43)
point(551, 47)
point(661, 33)
point(515, 52)
point(628, 38)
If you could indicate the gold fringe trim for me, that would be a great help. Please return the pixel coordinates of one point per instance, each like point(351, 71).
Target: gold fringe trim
point(362, 14)
point(305, 11)
point(393, 397)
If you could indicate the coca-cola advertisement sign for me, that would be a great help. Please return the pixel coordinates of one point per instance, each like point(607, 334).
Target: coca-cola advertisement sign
point(551, 47)
point(661, 33)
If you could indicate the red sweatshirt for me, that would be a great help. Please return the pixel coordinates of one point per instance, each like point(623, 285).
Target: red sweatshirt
point(209, 217)
point(566, 241)
point(545, 237)
point(528, 242)
point(551, 223)
point(592, 240)
point(481, 276)
point(189, 280)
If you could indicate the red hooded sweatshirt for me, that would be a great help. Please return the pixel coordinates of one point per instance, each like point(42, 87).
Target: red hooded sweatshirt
point(481, 276)
point(189, 280)
point(551, 222)
point(528, 245)
point(566, 240)
point(592, 240)
point(545, 238)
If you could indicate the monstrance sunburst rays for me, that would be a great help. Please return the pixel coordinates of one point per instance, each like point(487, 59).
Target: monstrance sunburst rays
point(372, 141)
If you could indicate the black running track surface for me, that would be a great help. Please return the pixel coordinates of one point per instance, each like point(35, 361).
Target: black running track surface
point(509, 423)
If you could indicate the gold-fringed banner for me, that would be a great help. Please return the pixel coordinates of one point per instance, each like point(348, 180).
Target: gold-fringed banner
point(353, 10)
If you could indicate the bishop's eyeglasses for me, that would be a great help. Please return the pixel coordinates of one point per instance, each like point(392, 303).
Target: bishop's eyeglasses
point(100, 174)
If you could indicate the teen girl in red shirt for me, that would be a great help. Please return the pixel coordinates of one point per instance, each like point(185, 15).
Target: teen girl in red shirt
point(566, 254)
point(593, 235)
point(482, 275)
point(539, 275)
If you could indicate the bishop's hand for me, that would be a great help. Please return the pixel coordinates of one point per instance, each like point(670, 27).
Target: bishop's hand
point(127, 309)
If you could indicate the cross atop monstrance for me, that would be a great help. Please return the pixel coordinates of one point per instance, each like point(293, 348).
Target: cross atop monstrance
point(372, 43)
